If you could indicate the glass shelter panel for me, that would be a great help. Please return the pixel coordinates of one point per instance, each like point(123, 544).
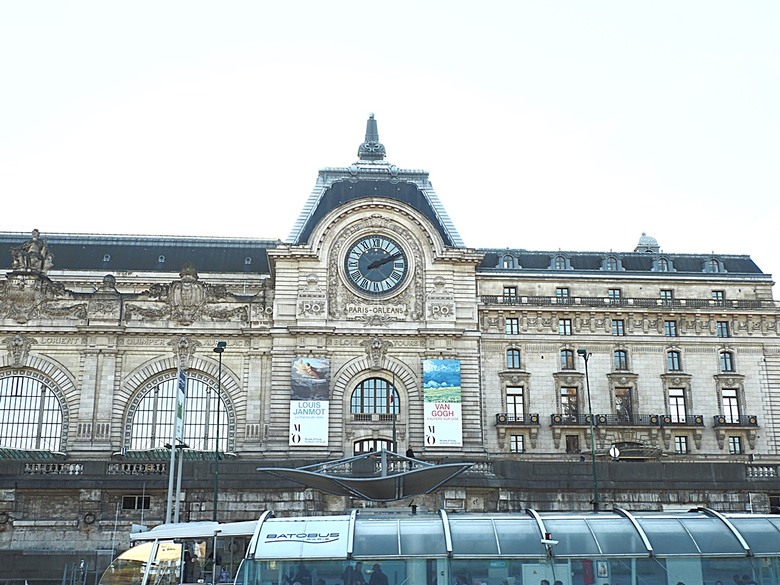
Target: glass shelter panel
point(519, 537)
point(376, 538)
point(423, 537)
point(712, 536)
point(573, 535)
point(761, 534)
point(667, 536)
point(474, 537)
point(617, 536)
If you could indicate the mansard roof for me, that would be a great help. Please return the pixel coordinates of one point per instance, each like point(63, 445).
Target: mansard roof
point(518, 260)
point(369, 177)
point(130, 253)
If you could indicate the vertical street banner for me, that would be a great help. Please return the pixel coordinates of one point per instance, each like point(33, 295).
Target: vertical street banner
point(309, 402)
point(181, 399)
point(442, 403)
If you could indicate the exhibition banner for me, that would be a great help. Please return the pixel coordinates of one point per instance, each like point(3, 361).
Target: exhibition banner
point(309, 402)
point(442, 403)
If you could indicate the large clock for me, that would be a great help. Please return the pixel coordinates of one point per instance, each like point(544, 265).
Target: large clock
point(375, 265)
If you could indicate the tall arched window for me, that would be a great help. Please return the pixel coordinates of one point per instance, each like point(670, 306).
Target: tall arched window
point(374, 396)
point(621, 359)
point(30, 414)
point(153, 420)
point(727, 361)
point(513, 359)
point(673, 361)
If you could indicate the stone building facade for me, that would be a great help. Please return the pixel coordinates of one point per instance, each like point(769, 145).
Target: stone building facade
point(346, 337)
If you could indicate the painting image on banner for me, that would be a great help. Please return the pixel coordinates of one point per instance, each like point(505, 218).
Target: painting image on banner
point(442, 404)
point(309, 405)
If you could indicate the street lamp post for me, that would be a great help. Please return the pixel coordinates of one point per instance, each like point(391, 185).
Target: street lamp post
point(583, 353)
point(218, 350)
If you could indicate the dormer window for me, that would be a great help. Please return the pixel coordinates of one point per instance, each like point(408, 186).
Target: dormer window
point(611, 263)
point(663, 265)
point(713, 265)
point(508, 262)
point(559, 263)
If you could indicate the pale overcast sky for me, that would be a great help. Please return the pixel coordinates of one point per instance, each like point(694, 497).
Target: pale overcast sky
point(544, 125)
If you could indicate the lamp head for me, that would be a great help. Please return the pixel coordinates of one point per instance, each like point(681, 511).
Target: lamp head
point(220, 346)
point(582, 352)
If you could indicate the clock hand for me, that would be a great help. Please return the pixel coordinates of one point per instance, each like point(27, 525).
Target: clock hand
point(382, 261)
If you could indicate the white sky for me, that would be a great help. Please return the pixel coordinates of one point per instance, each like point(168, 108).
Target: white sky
point(544, 125)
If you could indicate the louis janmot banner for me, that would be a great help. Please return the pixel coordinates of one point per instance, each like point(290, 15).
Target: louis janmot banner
point(442, 405)
point(309, 402)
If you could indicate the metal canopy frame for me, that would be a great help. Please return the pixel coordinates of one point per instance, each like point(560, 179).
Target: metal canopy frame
point(382, 476)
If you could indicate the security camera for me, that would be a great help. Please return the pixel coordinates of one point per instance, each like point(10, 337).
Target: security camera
point(549, 542)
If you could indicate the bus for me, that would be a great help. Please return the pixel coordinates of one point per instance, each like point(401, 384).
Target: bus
point(403, 547)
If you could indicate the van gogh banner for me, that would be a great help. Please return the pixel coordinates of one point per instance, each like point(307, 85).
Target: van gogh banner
point(442, 406)
point(309, 402)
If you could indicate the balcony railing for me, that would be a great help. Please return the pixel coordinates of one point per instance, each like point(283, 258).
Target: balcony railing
point(643, 303)
point(505, 418)
point(558, 420)
point(689, 420)
point(606, 420)
point(620, 420)
point(745, 420)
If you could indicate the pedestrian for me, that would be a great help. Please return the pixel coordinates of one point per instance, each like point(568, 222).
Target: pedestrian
point(377, 576)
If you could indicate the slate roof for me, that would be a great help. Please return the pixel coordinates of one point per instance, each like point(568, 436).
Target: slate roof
point(111, 254)
point(630, 262)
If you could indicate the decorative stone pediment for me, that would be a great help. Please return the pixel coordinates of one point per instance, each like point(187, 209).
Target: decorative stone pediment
point(188, 300)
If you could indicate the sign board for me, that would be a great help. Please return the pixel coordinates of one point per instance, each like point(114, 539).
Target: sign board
point(181, 399)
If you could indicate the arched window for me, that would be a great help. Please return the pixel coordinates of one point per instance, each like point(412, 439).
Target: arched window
point(509, 262)
point(371, 446)
point(621, 359)
point(726, 361)
point(374, 396)
point(713, 265)
point(663, 265)
point(154, 419)
point(611, 263)
point(512, 359)
point(30, 414)
point(559, 263)
point(567, 359)
point(673, 362)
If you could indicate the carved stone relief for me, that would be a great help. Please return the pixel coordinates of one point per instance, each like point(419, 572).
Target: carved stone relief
point(18, 347)
point(183, 349)
point(376, 349)
point(188, 300)
point(312, 302)
point(440, 302)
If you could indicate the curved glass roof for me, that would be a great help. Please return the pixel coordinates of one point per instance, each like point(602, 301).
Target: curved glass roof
point(529, 535)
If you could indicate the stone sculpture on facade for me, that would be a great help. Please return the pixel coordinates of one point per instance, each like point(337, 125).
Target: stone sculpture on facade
point(33, 255)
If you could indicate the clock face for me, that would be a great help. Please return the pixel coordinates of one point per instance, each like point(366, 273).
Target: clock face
point(375, 265)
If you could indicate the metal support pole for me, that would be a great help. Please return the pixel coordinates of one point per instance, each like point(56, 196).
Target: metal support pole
point(177, 506)
point(585, 355)
point(218, 350)
point(172, 467)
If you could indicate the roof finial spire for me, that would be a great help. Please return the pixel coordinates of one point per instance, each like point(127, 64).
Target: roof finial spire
point(371, 149)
